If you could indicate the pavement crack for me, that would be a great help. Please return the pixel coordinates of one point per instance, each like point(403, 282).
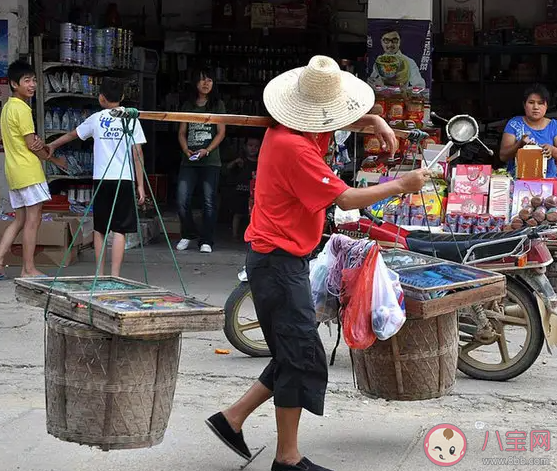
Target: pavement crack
point(19, 366)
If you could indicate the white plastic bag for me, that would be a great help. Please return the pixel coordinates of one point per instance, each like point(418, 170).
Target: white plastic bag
point(388, 313)
point(326, 305)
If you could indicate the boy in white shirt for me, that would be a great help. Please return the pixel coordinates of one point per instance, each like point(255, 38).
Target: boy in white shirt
point(107, 133)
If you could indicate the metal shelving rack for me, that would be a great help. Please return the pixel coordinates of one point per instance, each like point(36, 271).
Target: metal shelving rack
point(42, 67)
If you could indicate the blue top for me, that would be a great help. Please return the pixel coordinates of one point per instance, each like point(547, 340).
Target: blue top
point(518, 128)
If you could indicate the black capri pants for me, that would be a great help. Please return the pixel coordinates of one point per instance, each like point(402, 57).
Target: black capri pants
point(297, 373)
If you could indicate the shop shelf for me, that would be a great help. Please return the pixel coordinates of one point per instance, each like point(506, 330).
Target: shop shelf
point(52, 178)
point(54, 132)
point(54, 96)
point(59, 65)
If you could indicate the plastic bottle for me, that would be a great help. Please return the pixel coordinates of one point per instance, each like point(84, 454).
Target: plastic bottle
point(56, 119)
point(48, 121)
point(66, 121)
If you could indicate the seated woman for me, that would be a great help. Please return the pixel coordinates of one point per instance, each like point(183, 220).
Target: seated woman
point(532, 128)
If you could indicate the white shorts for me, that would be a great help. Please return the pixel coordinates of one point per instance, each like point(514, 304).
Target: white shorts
point(30, 195)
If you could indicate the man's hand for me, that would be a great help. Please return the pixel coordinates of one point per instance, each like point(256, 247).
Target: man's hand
point(203, 153)
point(141, 195)
point(385, 135)
point(37, 144)
point(188, 153)
point(414, 181)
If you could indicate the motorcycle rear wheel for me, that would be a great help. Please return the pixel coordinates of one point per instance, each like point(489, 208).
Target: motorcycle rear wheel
point(511, 367)
point(235, 331)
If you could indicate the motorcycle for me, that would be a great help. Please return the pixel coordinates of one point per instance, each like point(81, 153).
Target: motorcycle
point(521, 255)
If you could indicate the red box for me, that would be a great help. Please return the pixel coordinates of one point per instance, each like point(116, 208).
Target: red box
point(466, 204)
point(459, 34)
point(546, 34)
point(472, 179)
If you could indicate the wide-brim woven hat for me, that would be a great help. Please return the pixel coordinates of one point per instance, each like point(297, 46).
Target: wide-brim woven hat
point(318, 97)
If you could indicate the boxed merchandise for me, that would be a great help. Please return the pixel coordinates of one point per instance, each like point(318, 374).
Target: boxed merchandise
point(472, 179)
point(291, 16)
point(500, 196)
point(434, 204)
point(262, 15)
point(53, 240)
point(530, 163)
point(466, 204)
point(527, 193)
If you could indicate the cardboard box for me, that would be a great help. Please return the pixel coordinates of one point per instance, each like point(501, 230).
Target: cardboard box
point(262, 15)
point(530, 163)
point(525, 190)
point(53, 240)
point(472, 179)
point(150, 232)
point(291, 16)
point(466, 204)
point(500, 200)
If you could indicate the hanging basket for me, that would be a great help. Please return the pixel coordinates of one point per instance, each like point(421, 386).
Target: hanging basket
point(416, 364)
point(108, 391)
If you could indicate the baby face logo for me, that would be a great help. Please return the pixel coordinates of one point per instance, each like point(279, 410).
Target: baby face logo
point(445, 445)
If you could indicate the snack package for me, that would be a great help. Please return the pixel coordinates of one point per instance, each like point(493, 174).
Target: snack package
point(525, 190)
point(466, 204)
point(500, 200)
point(472, 179)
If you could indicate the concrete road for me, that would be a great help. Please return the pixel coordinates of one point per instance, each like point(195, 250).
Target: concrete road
point(355, 434)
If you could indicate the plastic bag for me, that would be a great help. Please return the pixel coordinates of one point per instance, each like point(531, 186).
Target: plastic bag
point(388, 313)
point(357, 289)
point(326, 305)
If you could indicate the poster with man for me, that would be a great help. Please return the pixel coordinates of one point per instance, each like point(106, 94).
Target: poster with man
point(399, 53)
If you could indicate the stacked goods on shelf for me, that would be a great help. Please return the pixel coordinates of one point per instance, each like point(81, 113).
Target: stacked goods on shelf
point(107, 48)
point(83, 84)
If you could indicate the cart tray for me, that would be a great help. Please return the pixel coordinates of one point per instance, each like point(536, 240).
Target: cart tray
point(132, 312)
point(433, 286)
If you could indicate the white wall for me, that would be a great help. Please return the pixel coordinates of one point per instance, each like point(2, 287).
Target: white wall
point(398, 9)
point(17, 14)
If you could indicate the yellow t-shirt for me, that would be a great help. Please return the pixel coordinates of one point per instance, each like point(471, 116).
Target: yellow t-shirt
point(23, 168)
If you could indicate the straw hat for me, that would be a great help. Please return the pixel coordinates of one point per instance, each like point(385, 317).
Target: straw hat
point(317, 98)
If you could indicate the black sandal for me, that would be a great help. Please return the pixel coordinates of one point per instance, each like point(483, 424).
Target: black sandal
point(304, 465)
point(233, 440)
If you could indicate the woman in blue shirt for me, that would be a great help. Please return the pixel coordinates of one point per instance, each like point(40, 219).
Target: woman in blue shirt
point(532, 128)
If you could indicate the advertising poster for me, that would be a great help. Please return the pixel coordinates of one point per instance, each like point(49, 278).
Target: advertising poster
point(399, 53)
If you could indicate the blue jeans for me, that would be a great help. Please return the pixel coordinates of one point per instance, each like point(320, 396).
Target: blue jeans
point(189, 176)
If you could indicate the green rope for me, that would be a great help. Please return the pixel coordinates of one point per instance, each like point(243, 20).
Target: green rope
point(128, 128)
point(134, 112)
point(130, 144)
point(79, 228)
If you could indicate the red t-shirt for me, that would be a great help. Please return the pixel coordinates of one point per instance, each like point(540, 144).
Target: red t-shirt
point(293, 188)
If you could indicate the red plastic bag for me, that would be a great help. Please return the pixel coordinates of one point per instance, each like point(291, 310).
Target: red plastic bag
point(356, 297)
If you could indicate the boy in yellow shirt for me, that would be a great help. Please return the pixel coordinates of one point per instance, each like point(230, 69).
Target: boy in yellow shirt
point(24, 171)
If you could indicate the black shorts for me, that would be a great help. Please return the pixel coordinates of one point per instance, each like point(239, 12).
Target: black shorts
point(297, 373)
point(124, 219)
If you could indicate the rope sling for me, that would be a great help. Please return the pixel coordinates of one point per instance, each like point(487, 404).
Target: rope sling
point(128, 128)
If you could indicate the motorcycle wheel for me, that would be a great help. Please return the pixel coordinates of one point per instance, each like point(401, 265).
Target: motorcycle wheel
point(508, 368)
point(235, 331)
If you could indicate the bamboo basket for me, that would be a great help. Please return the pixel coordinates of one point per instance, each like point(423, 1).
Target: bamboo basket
point(108, 391)
point(416, 364)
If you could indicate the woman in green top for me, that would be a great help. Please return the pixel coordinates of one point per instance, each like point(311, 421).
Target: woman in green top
point(201, 162)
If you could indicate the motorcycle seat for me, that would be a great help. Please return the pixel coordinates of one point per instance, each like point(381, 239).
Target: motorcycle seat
point(454, 247)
